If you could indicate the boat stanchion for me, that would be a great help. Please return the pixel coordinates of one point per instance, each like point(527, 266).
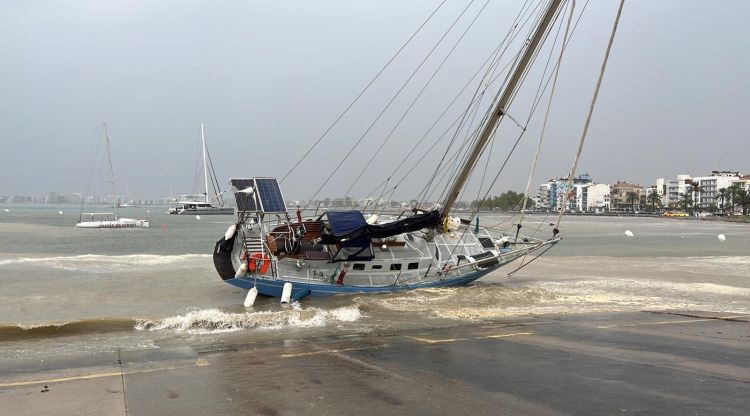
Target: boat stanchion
point(251, 295)
point(286, 293)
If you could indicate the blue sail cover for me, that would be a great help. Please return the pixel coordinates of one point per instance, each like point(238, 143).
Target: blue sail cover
point(343, 223)
point(353, 232)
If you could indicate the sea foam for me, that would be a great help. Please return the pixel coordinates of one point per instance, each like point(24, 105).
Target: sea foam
point(103, 263)
point(214, 320)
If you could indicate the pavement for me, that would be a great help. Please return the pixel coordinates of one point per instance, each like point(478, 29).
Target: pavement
point(644, 363)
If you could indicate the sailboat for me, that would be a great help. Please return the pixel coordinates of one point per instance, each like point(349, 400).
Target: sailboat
point(348, 251)
point(201, 204)
point(108, 219)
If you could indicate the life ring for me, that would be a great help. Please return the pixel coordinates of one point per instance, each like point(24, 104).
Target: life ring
point(255, 258)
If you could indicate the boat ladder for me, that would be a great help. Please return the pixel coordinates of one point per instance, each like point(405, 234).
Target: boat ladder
point(254, 245)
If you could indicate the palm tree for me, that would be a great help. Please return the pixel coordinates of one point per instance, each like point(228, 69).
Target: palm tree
point(631, 197)
point(734, 192)
point(742, 199)
point(697, 189)
point(686, 200)
point(654, 199)
point(722, 195)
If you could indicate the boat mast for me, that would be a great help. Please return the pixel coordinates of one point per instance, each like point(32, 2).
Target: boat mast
point(111, 170)
point(205, 164)
point(500, 108)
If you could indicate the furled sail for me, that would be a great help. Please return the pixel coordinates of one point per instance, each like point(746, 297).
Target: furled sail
point(342, 234)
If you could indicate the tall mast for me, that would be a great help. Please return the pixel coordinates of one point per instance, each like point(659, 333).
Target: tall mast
point(205, 164)
point(111, 170)
point(500, 108)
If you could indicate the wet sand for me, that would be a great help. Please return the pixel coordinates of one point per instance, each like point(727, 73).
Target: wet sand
point(574, 364)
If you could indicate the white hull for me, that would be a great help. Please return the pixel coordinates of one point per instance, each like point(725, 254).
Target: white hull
point(119, 223)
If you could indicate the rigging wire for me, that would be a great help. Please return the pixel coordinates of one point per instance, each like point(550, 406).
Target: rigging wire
point(546, 115)
point(465, 159)
point(389, 103)
point(591, 109)
point(361, 93)
point(494, 59)
point(98, 139)
point(414, 101)
point(533, 110)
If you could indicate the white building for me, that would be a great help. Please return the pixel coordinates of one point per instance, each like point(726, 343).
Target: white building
point(677, 188)
point(594, 197)
point(708, 186)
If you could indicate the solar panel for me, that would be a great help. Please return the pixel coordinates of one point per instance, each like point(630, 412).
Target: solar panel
point(245, 200)
point(269, 194)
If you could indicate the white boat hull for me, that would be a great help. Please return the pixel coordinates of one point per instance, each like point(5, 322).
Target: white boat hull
point(119, 223)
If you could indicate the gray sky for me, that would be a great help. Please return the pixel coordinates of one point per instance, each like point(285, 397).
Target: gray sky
point(268, 78)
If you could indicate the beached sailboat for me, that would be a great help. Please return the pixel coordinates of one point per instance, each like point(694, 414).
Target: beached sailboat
point(202, 204)
point(108, 219)
point(350, 251)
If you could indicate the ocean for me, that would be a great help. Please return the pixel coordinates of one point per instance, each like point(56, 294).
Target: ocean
point(65, 290)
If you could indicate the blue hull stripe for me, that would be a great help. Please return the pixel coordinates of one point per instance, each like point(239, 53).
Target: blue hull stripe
point(274, 287)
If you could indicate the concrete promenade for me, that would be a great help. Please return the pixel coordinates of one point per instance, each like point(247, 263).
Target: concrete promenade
point(645, 363)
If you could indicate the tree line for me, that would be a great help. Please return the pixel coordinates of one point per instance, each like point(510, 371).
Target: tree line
point(507, 201)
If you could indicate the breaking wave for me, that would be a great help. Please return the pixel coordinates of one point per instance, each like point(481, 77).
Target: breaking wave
point(103, 263)
point(214, 320)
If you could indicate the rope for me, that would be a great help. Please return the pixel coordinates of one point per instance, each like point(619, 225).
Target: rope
point(346, 110)
point(591, 111)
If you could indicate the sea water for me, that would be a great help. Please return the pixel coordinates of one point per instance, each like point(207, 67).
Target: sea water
point(66, 290)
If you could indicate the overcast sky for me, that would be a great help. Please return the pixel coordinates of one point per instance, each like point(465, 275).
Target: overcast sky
point(268, 77)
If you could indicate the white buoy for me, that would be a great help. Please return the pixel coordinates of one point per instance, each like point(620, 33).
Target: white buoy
point(286, 293)
point(197, 217)
point(6, 210)
point(59, 212)
point(230, 232)
point(629, 233)
point(722, 237)
point(148, 211)
point(250, 299)
point(242, 270)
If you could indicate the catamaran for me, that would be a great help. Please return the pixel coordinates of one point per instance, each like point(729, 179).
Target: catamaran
point(201, 204)
point(267, 251)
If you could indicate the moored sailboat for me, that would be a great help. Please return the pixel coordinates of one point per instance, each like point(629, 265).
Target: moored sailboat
point(108, 219)
point(202, 204)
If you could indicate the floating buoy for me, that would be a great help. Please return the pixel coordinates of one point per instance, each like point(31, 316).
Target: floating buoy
point(59, 212)
point(197, 217)
point(722, 237)
point(148, 211)
point(6, 210)
point(629, 233)
point(286, 293)
point(250, 299)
